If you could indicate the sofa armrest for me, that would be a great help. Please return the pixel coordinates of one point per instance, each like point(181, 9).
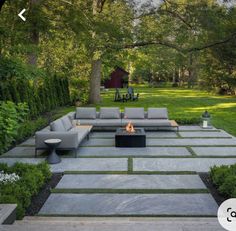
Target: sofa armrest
point(68, 139)
point(71, 115)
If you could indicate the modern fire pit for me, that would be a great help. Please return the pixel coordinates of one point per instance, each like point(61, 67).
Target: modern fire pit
point(130, 137)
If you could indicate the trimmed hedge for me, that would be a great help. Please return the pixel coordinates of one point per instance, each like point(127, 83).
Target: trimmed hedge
point(42, 91)
point(32, 178)
point(224, 178)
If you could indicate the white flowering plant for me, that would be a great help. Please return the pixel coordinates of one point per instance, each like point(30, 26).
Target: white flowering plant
point(6, 178)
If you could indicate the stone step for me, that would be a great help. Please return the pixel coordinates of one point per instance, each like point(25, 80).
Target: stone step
point(167, 142)
point(114, 223)
point(148, 151)
point(215, 151)
point(130, 204)
point(179, 164)
point(116, 181)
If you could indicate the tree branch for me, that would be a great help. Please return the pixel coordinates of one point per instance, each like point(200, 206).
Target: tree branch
point(175, 47)
point(216, 43)
point(148, 43)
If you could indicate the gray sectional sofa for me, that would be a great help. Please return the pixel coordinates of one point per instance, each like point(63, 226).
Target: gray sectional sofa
point(63, 129)
point(106, 119)
point(113, 118)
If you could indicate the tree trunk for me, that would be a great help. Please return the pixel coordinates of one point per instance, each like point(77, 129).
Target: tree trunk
point(192, 71)
point(34, 34)
point(95, 81)
point(96, 71)
point(1, 4)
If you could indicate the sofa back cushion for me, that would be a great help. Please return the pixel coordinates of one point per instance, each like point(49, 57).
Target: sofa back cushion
point(157, 113)
point(134, 113)
point(109, 113)
point(67, 123)
point(57, 126)
point(85, 113)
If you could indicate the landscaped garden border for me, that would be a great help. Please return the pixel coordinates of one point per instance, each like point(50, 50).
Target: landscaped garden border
point(20, 182)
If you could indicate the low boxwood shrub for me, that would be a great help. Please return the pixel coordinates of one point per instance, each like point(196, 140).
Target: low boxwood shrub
point(224, 178)
point(188, 121)
point(31, 179)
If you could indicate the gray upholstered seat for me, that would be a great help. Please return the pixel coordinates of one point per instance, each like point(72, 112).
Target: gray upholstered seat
point(62, 129)
point(147, 122)
point(108, 122)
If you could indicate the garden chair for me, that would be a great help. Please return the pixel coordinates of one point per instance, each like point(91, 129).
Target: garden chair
point(118, 97)
point(130, 95)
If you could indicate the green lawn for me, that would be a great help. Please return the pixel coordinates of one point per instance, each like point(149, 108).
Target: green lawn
point(184, 105)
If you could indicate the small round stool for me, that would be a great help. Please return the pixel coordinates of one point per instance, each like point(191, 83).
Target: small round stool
point(53, 158)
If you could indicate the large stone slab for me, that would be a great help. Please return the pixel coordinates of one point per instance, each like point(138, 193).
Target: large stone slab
point(221, 134)
point(29, 142)
point(7, 213)
point(77, 164)
point(148, 151)
point(167, 142)
point(11, 161)
point(179, 164)
point(194, 128)
point(191, 142)
point(98, 142)
point(22, 152)
point(157, 134)
point(116, 181)
point(215, 151)
point(91, 164)
point(130, 204)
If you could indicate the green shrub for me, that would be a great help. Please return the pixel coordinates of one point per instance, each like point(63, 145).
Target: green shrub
point(41, 90)
point(32, 178)
point(218, 174)
point(186, 121)
point(224, 178)
point(11, 115)
point(28, 128)
point(228, 186)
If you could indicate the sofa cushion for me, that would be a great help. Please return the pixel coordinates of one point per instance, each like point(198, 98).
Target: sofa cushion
point(134, 113)
point(66, 122)
point(85, 113)
point(147, 122)
point(57, 126)
point(157, 113)
point(88, 122)
point(109, 113)
point(108, 122)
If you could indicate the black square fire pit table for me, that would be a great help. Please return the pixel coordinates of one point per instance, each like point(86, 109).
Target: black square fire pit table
point(130, 139)
point(53, 158)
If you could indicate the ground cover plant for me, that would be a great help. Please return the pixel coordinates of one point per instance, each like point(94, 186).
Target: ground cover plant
point(20, 182)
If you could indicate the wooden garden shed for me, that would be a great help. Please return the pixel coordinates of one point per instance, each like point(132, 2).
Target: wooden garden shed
point(118, 79)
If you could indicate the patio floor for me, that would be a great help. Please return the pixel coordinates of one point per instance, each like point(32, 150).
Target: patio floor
point(159, 180)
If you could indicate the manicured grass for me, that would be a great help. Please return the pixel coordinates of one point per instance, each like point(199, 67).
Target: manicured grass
point(184, 105)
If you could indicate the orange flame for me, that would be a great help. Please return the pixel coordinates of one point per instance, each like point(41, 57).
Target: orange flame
point(130, 128)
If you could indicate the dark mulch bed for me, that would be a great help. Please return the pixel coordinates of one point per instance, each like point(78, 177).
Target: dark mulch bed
point(214, 192)
point(38, 200)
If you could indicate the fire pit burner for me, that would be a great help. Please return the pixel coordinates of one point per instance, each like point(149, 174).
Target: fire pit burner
point(124, 138)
